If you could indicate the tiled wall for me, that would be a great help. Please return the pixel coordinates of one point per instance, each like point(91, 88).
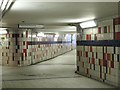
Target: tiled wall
point(2, 44)
point(0, 55)
point(98, 52)
point(0, 50)
point(21, 49)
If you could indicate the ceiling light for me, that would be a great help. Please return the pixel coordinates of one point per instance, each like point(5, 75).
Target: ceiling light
point(3, 28)
point(41, 34)
point(29, 35)
point(3, 31)
point(88, 24)
point(30, 26)
point(57, 35)
point(33, 36)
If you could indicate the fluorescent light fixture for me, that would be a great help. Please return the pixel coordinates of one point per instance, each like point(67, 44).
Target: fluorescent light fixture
point(29, 36)
point(34, 36)
point(30, 26)
point(3, 28)
point(57, 35)
point(41, 34)
point(3, 31)
point(55, 39)
point(88, 24)
point(24, 33)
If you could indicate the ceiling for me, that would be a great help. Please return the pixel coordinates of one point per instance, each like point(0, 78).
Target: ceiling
point(57, 13)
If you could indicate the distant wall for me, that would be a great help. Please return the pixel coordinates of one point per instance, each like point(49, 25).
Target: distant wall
point(20, 49)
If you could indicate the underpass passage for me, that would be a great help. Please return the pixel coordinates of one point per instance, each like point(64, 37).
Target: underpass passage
point(56, 73)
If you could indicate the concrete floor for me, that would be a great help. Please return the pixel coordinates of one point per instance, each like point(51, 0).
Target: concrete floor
point(55, 73)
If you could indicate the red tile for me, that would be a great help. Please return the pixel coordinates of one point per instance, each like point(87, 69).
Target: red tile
point(26, 45)
point(109, 29)
point(13, 58)
point(88, 60)
point(90, 48)
point(105, 29)
point(99, 29)
point(2, 54)
point(77, 53)
point(86, 54)
point(93, 60)
point(26, 34)
point(117, 21)
point(92, 54)
point(108, 56)
point(105, 56)
point(117, 36)
point(24, 50)
point(112, 64)
point(87, 37)
point(104, 62)
point(107, 63)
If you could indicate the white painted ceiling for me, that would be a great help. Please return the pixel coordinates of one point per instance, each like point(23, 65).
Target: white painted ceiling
point(58, 13)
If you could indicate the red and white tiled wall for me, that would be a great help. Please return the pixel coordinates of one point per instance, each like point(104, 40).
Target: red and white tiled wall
point(1, 43)
point(20, 49)
point(98, 52)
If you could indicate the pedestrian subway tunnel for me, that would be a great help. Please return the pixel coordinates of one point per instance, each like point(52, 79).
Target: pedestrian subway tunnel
point(61, 52)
